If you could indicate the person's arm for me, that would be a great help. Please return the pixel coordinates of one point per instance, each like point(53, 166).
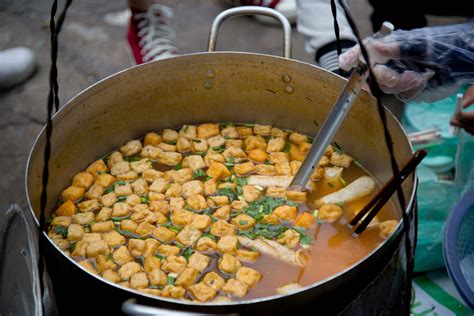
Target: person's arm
point(425, 64)
point(316, 22)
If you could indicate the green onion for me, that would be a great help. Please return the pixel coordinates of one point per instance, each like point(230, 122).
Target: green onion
point(343, 182)
point(109, 190)
point(218, 149)
point(159, 256)
point(287, 147)
point(61, 230)
point(122, 198)
point(213, 237)
point(171, 142)
point(187, 253)
point(249, 125)
point(72, 247)
point(132, 158)
point(120, 182)
point(119, 219)
point(178, 244)
point(109, 256)
point(200, 153)
point(357, 163)
point(178, 166)
point(127, 233)
point(199, 173)
point(144, 199)
point(50, 219)
point(196, 140)
point(176, 229)
point(58, 202)
point(243, 222)
point(226, 191)
point(306, 240)
point(230, 161)
point(170, 280)
point(337, 148)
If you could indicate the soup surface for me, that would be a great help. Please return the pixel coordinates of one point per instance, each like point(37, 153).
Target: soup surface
point(204, 213)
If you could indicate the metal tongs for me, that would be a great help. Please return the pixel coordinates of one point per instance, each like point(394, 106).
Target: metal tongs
point(335, 118)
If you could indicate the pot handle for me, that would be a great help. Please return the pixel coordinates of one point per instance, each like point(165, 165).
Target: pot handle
point(251, 10)
point(130, 307)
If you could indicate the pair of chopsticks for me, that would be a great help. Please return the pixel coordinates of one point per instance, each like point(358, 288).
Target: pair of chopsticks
point(383, 195)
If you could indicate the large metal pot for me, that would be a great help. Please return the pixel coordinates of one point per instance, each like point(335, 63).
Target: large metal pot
point(221, 87)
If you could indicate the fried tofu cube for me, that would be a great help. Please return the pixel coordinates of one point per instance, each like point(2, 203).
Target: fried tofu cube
point(218, 171)
point(111, 275)
point(105, 263)
point(290, 238)
point(68, 208)
point(123, 189)
point(207, 130)
point(386, 228)
point(173, 291)
point(162, 207)
point(177, 203)
point(152, 139)
point(217, 200)
point(210, 187)
point(128, 176)
point(239, 205)
point(304, 148)
point(169, 158)
point(167, 147)
point(243, 221)
point(96, 248)
point(159, 185)
point(255, 142)
point(235, 287)
point(340, 160)
point(330, 213)
point(150, 247)
point(195, 162)
point(192, 188)
point(276, 192)
point(247, 255)
point(188, 235)
point(139, 280)
point(131, 148)
point(187, 278)
point(286, 212)
point(202, 293)
point(128, 269)
point(157, 277)
point(72, 193)
point(97, 167)
point(83, 218)
point(244, 131)
point(188, 131)
point(283, 168)
point(90, 237)
point(151, 175)
point(196, 202)
point(317, 174)
point(199, 145)
point(216, 141)
point(152, 263)
point(248, 276)
point(109, 199)
point(88, 266)
point(141, 165)
point(221, 228)
point(278, 157)
point(205, 244)
point(174, 264)
point(237, 153)
point(227, 244)
point(258, 155)
point(105, 180)
point(276, 145)
point(242, 169)
point(230, 132)
point(305, 220)
point(214, 280)
point(113, 239)
point(212, 157)
point(119, 168)
point(198, 261)
point(182, 217)
point(102, 227)
point(104, 214)
point(265, 169)
point(169, 135)
point(136, 247)
point(113, 158)
point(183, 144)
point(276, 132)
point(151, 152)
point(297, 138)
point(234, 143)
point(174, 190)
point(297, 196)
point(89, 206)
point(83, 180)
point(222, 212)
point(229, 264)
point(79, 249)
point(75, 232)
point(168, 250)
point(251, 193)
point(128, 225)
point(295, 166)
point(163, 234)
point(201, 221)
point(262, 130)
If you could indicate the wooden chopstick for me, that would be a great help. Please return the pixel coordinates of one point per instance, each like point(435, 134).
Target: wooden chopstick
point(387, 190)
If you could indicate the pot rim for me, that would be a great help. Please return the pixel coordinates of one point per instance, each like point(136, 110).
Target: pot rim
point(333, 277)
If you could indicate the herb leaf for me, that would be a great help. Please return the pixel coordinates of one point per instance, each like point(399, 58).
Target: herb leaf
point(61, 230)
point(287, 148)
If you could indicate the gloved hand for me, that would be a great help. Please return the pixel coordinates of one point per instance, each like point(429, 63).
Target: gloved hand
point(426, 64)
point(466, 119)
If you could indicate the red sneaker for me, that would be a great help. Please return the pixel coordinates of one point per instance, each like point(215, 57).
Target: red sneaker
point(149, 35)
point(285, 7)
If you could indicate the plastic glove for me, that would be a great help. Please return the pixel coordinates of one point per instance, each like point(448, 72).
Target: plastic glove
point(426, 64)
point(466, 119)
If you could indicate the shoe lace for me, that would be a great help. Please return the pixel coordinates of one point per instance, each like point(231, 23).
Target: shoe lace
point(156, 37)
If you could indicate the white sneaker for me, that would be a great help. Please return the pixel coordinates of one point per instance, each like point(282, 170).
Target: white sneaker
point(16, 65)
